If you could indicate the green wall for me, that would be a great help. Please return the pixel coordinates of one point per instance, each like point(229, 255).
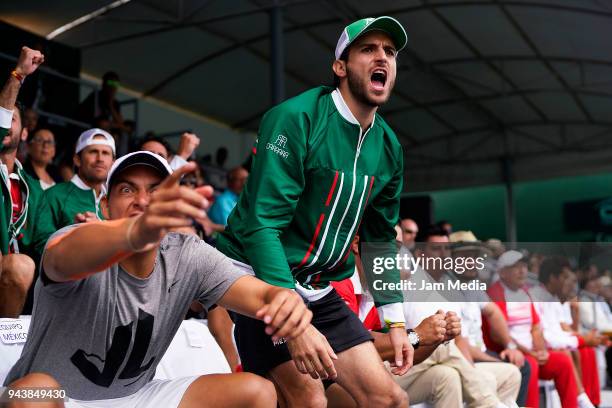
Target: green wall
point(539, 207)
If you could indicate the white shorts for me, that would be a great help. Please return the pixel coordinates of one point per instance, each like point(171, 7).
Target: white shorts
point(155, 394)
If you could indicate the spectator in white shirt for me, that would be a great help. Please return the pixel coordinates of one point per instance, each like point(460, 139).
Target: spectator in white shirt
point(553, 275)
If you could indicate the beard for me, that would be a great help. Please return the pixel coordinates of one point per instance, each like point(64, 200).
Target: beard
point(12, 144)
point(359, 88)
point(91, 177)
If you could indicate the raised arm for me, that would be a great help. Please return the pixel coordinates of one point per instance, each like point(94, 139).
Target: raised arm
point(29, 61)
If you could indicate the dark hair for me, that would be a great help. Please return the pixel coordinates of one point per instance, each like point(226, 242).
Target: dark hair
point(552, 266)
point(431, 231)
point(157, 139)
point(110, 76)
point(34, 133)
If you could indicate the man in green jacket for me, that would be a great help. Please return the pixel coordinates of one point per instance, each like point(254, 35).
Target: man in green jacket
point(19, 193)
point(77, 200)
point(325, 161)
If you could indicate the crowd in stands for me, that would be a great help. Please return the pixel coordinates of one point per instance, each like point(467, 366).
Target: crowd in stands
point(540, 318)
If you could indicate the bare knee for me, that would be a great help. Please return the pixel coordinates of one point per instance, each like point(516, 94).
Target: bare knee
point(390, 397)
point(17, 272)
point(316, 400)
point(35, 380)
point(258, 391)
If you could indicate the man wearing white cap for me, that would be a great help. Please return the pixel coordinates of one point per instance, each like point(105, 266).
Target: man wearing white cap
point(510, 294)
point(77, 200)
point(112, 294)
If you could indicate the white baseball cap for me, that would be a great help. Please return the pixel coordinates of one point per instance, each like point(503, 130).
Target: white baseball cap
point(87, 139)
point(509, 258)
point(141, 158)
point(358, 28)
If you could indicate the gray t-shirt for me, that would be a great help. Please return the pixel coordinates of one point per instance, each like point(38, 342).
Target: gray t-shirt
point(102, 337)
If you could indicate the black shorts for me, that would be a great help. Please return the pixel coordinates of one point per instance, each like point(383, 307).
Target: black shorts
point(330, 315)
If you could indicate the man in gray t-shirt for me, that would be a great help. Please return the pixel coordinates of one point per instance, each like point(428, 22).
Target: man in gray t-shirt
point(111, 295)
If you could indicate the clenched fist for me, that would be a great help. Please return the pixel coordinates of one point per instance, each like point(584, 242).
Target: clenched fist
point(189, 142)
point(29, 61)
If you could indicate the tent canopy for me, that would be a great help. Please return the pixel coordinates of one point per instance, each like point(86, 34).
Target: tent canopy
point(483, 85)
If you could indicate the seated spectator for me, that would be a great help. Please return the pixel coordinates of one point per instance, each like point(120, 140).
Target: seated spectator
point(510, 294)
point(226, 201)
point(410, 230)
point(188, 144)
point(533, 269)
point(101, 329)
point(425, 337)
point(553, 274)
point(41, 151)
point(446, 226)
point(594, 314)
point(475, 306)
point(20, 193)
point(478, 388)
point(594, 311)
point(77, 200)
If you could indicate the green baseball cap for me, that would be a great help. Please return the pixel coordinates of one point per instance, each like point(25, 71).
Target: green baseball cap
point(384, 23)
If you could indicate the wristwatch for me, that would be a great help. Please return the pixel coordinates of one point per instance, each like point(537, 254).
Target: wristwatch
point(512, 346)
point(413, 338)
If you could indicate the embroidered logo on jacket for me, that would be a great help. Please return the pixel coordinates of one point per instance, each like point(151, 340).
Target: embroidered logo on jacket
point(279, 146)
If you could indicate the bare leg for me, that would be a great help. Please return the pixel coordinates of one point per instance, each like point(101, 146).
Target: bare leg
point(298, 390)
point(361, 372)
point(241, 390)
point(338, 397)
point(15, 279)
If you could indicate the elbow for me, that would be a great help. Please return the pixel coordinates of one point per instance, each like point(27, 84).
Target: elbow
point(52, 266)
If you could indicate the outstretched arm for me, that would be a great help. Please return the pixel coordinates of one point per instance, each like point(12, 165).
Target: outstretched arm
point(282, 310)
point(94, 246)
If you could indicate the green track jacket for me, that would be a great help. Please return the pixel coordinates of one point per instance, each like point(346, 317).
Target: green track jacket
point(18, 235)
point(315, 177)
point(58, 207)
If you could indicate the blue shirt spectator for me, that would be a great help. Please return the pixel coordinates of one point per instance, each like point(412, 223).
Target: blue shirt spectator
point(225, 203)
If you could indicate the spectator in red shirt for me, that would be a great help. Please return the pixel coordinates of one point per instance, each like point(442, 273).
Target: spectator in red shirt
point(510, 295)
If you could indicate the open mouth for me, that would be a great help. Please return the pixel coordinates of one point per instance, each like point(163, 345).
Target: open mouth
point(378, 79)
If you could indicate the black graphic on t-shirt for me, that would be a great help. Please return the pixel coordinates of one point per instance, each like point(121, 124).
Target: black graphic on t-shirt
point(115, 355)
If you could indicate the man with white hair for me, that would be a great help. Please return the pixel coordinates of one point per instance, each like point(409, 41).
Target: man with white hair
point(510, 294)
